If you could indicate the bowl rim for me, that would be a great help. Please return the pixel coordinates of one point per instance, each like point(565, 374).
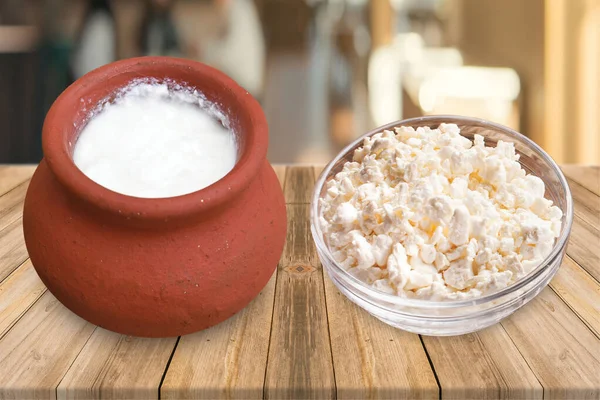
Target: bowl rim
point(57, 136)
point(559, 244)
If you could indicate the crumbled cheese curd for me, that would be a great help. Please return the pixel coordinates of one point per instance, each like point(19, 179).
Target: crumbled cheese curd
point(427, 213)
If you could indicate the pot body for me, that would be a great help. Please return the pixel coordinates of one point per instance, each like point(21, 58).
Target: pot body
point(159, 279)
point(154, 267)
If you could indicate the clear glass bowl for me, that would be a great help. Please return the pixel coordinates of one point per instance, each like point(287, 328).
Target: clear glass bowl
point(461, 316)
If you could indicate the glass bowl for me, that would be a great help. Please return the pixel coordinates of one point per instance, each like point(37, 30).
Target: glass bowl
point(445, 318)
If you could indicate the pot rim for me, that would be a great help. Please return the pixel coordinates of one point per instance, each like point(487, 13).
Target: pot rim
point(57, 134)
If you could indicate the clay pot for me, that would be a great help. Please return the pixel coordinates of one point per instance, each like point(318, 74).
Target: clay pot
point(154, 267)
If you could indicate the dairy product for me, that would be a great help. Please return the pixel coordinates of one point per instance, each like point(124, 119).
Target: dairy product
point(156, 140)
point(430, 214)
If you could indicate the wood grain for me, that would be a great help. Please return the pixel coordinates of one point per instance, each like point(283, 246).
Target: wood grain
point(372, 359)
point(13, 175)
point(39, 349)
point(584, 247)
point(280, 171)
point(299, 184)
point(11, 204)
point(301, 338)
point(300, 364)
point(481, 365)
point(299, 360)
point(317, 170)
point(12, 248)
point(562, 352)
point(17, 293)
point(587, 204)
point(584, 241)
point(230, 359)
point(580, 291)
point(114, 366)
point(587, 176)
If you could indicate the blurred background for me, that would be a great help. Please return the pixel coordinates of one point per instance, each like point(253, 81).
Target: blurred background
point(326, 71)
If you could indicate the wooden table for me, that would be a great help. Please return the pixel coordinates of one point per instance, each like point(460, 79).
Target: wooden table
point(301, 338)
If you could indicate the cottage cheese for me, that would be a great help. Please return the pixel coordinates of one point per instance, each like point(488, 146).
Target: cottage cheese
point(430, 214)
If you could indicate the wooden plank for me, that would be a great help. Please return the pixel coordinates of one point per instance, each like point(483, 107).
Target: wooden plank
point(584, 247)
point(481, 365)
point(12, 248)
point(299, 361)
point(280, 172)
point(520, 380)
point(587, 204)
point(584, 242)
point(562, 352)
point(17, 293)
point(80, 382)
point(37, 352)
point(226, 361)
point(317, 170)
point(586, 176)
point(230, 359)
point(116, 366)
point(580, 291)
point(372, 359)
point(11, 204)
point(12, 175)
point(299, 184)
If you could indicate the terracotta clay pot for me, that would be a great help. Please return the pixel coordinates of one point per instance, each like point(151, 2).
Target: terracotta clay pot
point(154, 267)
